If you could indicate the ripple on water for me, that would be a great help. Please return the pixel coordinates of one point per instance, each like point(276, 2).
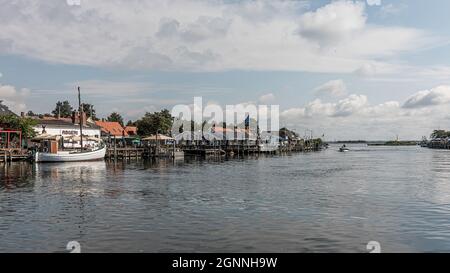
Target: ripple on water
point(317, 202)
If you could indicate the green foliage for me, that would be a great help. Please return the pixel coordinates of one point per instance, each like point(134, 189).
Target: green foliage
point(152, 123)
point(318, 141)
point(63, 108)
point(115, 117)
point(89, 109)
point(400, 143)
point(440, 134)
point(286, 133)
point(31, 114)
point(17, 123)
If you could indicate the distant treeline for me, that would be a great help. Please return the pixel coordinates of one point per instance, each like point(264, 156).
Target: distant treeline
point(378, 143)
point(395, 143)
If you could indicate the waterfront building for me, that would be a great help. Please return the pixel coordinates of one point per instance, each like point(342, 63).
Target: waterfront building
point(159, 139)
point(68, 129)
point(131, 130)
point(111, 129)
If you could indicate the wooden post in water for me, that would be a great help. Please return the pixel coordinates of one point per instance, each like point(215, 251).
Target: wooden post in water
point(173, 146)
point(157, 145)
point(115, 149)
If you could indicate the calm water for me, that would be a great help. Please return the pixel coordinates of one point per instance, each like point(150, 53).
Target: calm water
point(318, 202)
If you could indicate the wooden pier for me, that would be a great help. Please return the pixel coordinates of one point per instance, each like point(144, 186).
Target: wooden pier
point(130, 153)
point(125, 153)
point(172, 151)
point(206, 150)
point(245, 149)
point(222, 150)
point(10, 155)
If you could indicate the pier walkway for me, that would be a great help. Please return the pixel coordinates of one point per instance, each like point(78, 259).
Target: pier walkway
point(14, 154)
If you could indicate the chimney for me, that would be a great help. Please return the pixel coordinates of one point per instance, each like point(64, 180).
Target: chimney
point(22, 114)
point(75, 117)
point(83, 118)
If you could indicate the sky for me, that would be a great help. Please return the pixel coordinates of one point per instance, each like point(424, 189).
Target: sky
point(372, 69)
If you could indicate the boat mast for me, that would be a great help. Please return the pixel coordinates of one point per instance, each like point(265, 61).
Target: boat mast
point(81, 117)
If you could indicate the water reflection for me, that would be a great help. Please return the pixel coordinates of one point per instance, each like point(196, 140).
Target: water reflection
point(326, 201)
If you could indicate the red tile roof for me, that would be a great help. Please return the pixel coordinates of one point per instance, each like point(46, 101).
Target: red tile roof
point(131, 130)
point(112, 128)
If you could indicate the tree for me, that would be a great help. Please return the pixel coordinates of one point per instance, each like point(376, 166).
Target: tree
point(18, 123)
point(440, 134)
point(31, 114)
point(152, 123)
point(115, 117)
point(130, 123)
point(286, 133)
point(89, 109)
point(64, 109)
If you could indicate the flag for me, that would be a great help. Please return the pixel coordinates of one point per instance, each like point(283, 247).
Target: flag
point(247, 121)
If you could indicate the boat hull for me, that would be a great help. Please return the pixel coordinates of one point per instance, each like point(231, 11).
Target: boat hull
point(268, 148)
point(68, 157)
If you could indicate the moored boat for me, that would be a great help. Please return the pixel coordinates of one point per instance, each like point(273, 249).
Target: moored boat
point(52, 147)
point(71, 156)
point(268, 147)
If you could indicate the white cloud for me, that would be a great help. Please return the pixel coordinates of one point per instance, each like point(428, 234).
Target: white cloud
point(202, 35)
point(335, 88)
point(203, 28)
point(392, 9)
point(267, 98)
point(343, 108)
point(350, 105)
point(367, 70)
point(374, 2)
point(112, 88)
point(333, 23)
point(355, 117)
point(13, 98)
point(435, 96)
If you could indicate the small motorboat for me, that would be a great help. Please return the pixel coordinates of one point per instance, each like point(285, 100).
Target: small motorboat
point(344, 149)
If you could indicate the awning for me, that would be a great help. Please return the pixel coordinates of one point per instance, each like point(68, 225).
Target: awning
point(86, 138)
point(46, 137)
point(157, 137)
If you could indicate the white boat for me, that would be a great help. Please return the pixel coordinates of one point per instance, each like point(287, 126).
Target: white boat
point(67, 156)
point(97, 153)
point(343, 150)
point(269, 143)
point(268, 147)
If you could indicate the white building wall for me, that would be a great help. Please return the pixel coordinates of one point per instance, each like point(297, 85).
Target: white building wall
point(67, 132)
